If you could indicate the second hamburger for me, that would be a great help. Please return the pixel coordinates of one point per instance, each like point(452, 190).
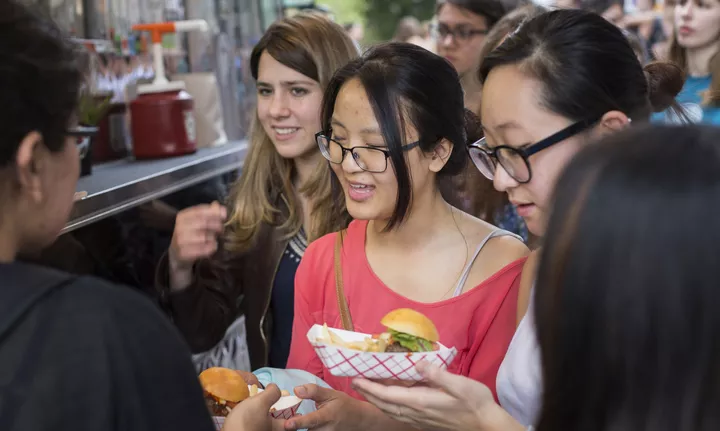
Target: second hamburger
point(224, 389)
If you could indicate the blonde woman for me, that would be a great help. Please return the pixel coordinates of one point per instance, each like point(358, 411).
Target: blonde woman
point(235, 266)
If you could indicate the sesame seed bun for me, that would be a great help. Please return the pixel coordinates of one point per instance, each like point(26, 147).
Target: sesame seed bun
point(411, 322)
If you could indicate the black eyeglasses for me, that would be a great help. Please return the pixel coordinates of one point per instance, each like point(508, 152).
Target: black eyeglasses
point(460, 34)
point(515, 160)
point(370, 159)
point(82, 134)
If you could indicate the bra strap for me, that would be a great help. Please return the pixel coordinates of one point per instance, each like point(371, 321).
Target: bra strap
point(468, 267)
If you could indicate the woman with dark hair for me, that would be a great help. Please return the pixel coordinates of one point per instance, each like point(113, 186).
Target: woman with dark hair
point(76, 353)
point(562, 80)
point(462, 26)
point(626, 306)
point(626, 300)
point(478, 196)
point(393, 123)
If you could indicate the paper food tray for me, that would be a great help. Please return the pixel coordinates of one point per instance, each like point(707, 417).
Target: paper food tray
point(343, 362)
point(285, 408)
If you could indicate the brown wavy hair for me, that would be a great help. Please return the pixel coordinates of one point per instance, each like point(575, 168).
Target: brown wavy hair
point(677, 54)
point(310, 44)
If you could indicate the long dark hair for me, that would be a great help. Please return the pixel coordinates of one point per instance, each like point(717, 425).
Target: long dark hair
point(407, 83)
point(627, 293)
point(482, 199)
point(587, 67)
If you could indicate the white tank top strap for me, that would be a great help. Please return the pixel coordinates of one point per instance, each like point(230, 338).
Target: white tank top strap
point(468, 267)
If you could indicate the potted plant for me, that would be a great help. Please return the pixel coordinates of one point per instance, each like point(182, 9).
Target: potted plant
point(92, 108)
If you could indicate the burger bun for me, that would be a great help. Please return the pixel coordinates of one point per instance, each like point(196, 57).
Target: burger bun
point(412, 323)
point(224, 384)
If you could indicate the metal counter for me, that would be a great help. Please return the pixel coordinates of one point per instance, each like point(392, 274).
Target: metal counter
point(118, 186)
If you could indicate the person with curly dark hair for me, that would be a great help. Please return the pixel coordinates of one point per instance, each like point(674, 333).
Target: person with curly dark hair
point(76, 353)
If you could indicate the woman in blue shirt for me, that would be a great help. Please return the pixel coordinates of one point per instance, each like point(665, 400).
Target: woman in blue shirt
point(695, 46)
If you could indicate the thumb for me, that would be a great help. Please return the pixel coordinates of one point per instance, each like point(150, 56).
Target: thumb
point(220, 209)
point(314, 392)
point(267, 398)
point(453, 384)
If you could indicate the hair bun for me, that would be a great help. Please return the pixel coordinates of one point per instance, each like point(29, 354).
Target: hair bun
point(665, 81)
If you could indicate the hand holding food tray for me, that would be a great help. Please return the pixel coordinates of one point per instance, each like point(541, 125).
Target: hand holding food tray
point(411, 337)
point(225, 388)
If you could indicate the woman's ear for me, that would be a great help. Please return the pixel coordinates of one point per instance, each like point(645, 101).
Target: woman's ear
point(29, 164)
point(440, 155)
point(613, 121)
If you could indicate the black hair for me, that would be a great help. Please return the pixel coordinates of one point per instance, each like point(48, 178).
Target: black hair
point(627, 292)
point(491, 10)
point(406, 83)
point(40, 79)
point(586, 66)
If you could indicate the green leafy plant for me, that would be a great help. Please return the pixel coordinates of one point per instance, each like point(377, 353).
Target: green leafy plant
point(93, 108)
point(382, 16)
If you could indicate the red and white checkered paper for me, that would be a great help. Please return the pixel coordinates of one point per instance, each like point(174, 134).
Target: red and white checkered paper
point(219, 421)
point(343, 362)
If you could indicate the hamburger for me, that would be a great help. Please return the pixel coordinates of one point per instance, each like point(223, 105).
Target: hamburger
point(409, 331)
point(224, 389)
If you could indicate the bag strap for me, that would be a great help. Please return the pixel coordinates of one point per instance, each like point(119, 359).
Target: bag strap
point(339, 286)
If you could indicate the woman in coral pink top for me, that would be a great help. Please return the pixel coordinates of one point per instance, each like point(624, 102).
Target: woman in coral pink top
point(393, 124)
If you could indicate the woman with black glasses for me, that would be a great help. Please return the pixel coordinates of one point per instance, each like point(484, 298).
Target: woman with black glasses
point(562, 80)
point(394, 123)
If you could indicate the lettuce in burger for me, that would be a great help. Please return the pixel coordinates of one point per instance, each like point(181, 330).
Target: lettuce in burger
point(409, 331)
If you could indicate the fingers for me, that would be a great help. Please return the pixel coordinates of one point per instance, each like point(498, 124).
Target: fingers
point(315, 393)
point(254, 412)
point(416, 398)
point(317, 418)
point(403, 383)
point(265, 399)
point(250, 378)
point(196, 232)
point(401, 412)
point(384, 394)
point(205, 217)
point(387, 408)
point(277, 425)
point(457, 386)
point(309, 421)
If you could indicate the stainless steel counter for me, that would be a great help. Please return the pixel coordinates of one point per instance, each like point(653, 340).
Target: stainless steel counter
point(118, 186)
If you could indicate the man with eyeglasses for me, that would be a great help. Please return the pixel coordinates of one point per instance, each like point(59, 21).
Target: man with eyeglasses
point(460, 32)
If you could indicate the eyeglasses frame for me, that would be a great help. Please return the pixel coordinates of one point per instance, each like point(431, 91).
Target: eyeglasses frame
point(525, 153)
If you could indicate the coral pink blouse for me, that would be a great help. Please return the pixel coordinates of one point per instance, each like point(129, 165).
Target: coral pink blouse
point(480, 322)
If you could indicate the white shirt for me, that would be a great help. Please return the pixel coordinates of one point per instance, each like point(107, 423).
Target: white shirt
point(519, 379)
